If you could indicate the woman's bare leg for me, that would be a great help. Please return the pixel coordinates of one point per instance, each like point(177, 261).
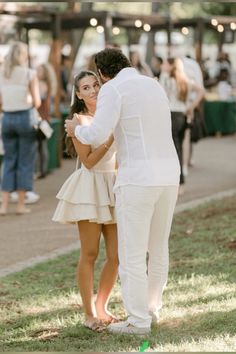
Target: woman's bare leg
point(109, 272)
point(21, 209)
point(5, 202)
point(89, 238)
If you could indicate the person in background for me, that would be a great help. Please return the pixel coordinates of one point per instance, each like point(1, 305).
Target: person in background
point(156, 63)
point(178, 89)
point(223, 62)
point(65, 77)
point(141, 66)
point(194, 73)
point(48, 90)
point(224, 87)
point(19, 91)
point(87, 199)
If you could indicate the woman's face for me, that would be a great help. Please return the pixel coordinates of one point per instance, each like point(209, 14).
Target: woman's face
point(88, 89)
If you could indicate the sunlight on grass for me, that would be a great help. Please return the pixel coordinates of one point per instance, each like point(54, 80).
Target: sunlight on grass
point(40, 308)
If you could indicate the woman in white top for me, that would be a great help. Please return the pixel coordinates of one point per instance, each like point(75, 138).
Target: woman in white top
point(178, 88)
point(87, 199)
point(19, 91)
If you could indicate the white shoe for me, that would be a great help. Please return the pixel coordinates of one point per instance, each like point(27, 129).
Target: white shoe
point(124, 327)
point(13, 197)
point(155, 317)
point(30, 197)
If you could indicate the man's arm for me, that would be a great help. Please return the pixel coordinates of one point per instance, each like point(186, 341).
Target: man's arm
point(105, 119)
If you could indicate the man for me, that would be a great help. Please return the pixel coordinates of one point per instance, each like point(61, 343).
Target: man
point(135, 109)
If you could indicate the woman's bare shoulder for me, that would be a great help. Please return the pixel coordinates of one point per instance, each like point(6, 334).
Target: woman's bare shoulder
point(83, 119)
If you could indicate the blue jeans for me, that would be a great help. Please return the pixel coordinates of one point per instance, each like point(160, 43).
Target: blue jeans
point(20, 145)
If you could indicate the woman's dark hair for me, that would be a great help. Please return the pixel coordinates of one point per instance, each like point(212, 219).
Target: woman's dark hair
point(77, 106)
point(111, 61)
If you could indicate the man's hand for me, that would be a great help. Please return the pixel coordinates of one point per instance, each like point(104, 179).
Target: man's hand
point(70, 125)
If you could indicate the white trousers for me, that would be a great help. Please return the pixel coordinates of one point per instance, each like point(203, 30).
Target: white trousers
point(144, 218)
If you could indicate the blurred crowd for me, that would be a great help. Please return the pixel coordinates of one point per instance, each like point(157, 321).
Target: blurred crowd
point(25, 91)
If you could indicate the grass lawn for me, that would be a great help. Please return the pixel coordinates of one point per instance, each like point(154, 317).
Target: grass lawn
point(40, 307)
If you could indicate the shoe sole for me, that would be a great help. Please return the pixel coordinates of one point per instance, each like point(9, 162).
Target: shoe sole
point(133, 332)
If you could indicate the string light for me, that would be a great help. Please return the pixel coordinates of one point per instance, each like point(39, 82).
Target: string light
point(93, 22)
point(185, 31)
point(214, 22)
point(220, 28)
point(115, 31)
point(146, 27)
point(233, 26)
point(138, 23)
point(100, 29)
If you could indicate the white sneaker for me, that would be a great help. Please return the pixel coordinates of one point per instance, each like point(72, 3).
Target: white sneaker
point(124, 327)
point(13, 197)
point(30, 197)
point(155, 317)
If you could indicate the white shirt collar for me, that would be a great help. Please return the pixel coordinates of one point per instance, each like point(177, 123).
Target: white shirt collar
point(127, 71)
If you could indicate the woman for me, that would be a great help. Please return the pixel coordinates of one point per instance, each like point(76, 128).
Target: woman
point(48, 88)
point(87, 199)
point(19, 90)
point(178, 88)
point(140, 65)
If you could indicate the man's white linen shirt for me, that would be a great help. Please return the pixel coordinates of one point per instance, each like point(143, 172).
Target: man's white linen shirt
point(136, 110)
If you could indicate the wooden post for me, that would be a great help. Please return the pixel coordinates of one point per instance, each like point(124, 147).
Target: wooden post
point(55, 59)
point(169, 41)
point(199, 40)
point(220, 41)
point(150, 52)
point(107, 27)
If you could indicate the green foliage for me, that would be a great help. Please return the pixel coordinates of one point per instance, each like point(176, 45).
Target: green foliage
point(219, 8)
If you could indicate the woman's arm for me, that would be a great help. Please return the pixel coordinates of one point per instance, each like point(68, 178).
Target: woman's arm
point(34, 90)
point(199, 96)
point(88, 157)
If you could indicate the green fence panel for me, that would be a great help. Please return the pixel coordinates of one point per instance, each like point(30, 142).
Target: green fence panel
point(54, 144)
point(220, 117)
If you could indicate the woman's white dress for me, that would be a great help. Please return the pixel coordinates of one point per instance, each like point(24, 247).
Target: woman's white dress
point(88, 193)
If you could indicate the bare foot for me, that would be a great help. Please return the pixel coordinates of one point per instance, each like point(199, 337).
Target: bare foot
point(106, 317)
point(94, 324)
point(3, 212)
point(22, 210)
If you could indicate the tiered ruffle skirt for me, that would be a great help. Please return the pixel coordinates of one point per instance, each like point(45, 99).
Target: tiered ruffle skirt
point(87, 195)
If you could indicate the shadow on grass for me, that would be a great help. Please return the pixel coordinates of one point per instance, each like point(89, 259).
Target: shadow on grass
point(172, 331)
point(205, 299)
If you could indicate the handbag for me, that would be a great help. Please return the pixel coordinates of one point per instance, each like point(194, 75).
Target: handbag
point(42, 127)
point(45, 128)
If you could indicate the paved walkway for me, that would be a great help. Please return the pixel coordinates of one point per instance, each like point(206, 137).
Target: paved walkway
point(26, 240)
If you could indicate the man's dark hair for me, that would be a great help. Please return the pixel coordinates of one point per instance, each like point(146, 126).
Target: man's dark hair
point(111, 61)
